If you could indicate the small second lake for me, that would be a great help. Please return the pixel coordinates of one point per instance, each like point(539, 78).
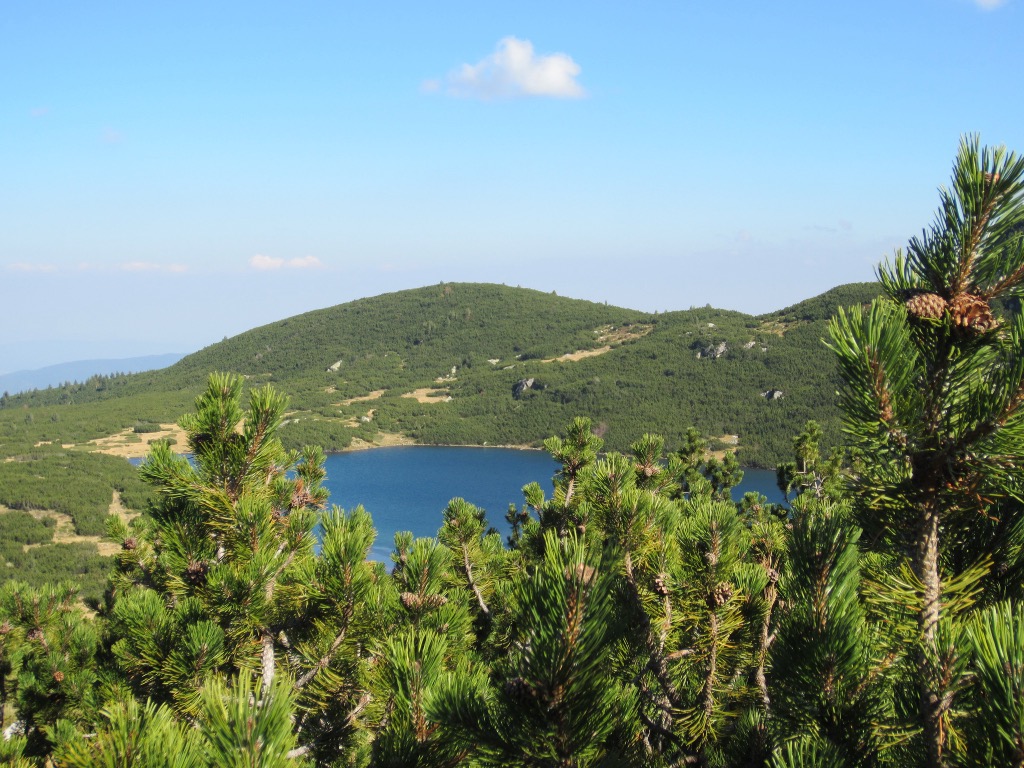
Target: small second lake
point(406, 488)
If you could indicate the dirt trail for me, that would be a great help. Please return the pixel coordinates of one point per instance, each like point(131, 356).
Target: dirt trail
point(609, 334)
point(64, 531)
point(129, 445)
point(375, 395)
point(428, 395)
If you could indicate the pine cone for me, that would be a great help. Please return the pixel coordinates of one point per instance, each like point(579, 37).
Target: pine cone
point(410, 600)
point(58, 676)
point(970, 311)
point(721, 594)
point(926, 306)
point(130, 543)
point(434, 601)
point(659, 584)
point(196, 572)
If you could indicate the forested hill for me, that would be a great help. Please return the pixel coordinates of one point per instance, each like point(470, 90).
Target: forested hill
point(451, 324)
point(480, 364)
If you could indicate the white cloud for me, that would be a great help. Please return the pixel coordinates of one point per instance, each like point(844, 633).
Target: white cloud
point(24, 266)
point(148, 266)
point(265, 263)
point(514, 70)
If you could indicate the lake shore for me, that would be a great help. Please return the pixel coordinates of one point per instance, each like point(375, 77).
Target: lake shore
point(393, 440)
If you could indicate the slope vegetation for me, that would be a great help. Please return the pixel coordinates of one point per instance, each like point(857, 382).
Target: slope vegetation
point(487, 364)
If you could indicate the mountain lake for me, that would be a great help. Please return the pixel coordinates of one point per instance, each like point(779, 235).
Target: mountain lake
point(406, 488)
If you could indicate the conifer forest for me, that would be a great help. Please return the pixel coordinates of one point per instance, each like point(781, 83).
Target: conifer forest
point(636, 616)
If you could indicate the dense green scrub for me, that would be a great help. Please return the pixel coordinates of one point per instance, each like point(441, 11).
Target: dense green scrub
point(75, 483)
point(79, 484)
point(474, 343)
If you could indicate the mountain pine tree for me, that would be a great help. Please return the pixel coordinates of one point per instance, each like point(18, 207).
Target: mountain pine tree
point(934, 400)
point(222, 580)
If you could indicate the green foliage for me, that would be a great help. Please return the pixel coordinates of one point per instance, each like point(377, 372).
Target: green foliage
point(49, 652)
point(20, 528)
point(240, 725)
point(222, 579)
point(822, 660)
point(932, 401)
point(552, 702)
point(650, 380)
point(75, 483)
point(995, 732)
point(247, 725)
point(78, 562)
point(131, 735)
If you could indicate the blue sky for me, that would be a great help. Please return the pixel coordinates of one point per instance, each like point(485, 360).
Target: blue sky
point(176, 173)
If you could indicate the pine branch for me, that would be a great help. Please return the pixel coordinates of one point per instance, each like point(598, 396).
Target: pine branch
point(657, 661)
point(473, 585)
point(325, 659)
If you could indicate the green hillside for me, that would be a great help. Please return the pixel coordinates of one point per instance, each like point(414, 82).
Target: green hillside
point(464, 348)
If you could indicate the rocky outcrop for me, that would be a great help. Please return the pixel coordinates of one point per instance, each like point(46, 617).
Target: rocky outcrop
point(772, 394)
point(521, 386)
point(712, 351)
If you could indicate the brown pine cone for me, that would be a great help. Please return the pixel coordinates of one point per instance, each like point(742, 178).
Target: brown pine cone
point(434, 601)
point(410, 600)
point(721, 594)
point(196, 572)
point(927, 306)
point(660, 587)
point(970, 311)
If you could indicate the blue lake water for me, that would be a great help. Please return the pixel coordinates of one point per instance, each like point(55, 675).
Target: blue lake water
point(407, 488)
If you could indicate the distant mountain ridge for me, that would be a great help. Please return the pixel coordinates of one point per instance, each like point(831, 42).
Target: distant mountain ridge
point(80, 370)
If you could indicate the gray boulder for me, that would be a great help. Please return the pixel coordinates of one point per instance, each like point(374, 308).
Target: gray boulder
point(521, 386)
point(712, 351)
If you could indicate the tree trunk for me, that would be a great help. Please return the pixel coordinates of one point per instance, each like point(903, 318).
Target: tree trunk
point(268, 661)
point(926, 568)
